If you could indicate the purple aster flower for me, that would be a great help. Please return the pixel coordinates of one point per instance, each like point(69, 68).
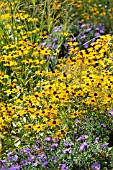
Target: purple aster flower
point(54, 40)
point(68, 151)
point(43, 44)
point(3, 168)
point(38, 143)
point(74, 39)
point(102, 31)
point(15, 167)
point(79, 35)
point(64, 167)
point(49, 46)
point(97, 29)
point(83, 25)
point(47, 57)
point(82, 137)
point(54, 160)
point(55, 47)
point(24, 162)
point(102, 124)
point(56, 140)
point(110, 113)
point(55, 29)
point(100, 25)
point(32, 158)
point(45, 163)
point(96, 166)
point(42, 156)
point(35, 163)
point(88, 30)
point(79, 22)
point(86, 45)
point(26, 151)
point(50, 35)
point(83, 146)
point(67, 144)
point(83, 37)
point(3, 162)
point(97, 34)
point(93, 40)
point(9, 155)
point(96, 140)
point(54, 145)
point(15, 158)
point(104, 145)
point(48, 139)
point(65, 56)
point(90, 119)
point(53, 57)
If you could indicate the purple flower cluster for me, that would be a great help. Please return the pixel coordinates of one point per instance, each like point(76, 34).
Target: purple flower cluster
point(62, 153)
point(85, 34)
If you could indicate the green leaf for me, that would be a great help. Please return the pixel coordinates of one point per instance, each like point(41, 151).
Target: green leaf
point(1, 31)
point(33, 2)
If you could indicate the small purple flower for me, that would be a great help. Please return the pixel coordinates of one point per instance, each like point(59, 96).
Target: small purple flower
point(48, 139)
point(97, 29)
point(97, 34)
point(96, 166)
point(83, 137)
point(35, 163)
point(15, 158)
point(43, 44)
point(102, 124)
point(102, 31)
point(54, 145)
point(24, 162)
point(9, 155)
point(64, 167)
point(83, 37)
point(38, 143)
point(53, 57)
point(26, 151)
point(83, 146)
point(3, 162)
point(55, 47)
point(50, 35)
point(96, 140)
point(15, 167)
point(86, 45)
point(68, 151)
point(67, 144)
point(83, 25)
point(104, 145)
point(75, 133)
point(45, 163)
point(80, 34)
point(110, 113)
point(54, 40)
point(55, 29)
point(32, 158)
point(49, 46)
point(74, 39)
point(79, 22)
point(90, 119)
point(56, 140)
point(42, 156)
point(3, 168)
point(88, 30)
point(54, 160)
point(93, 40)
